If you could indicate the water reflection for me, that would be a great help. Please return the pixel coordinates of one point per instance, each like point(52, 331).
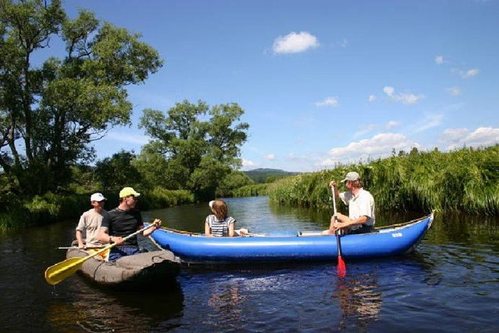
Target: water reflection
point(360, 300)
point(452, 228)
point(84, 308)
point(225, 302)
point(360, 297)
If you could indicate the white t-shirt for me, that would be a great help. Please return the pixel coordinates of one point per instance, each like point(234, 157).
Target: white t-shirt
point(89, 224)
point(360, 205)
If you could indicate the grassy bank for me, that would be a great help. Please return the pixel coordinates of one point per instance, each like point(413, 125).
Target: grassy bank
point(51, 207)
point(465, 180)
point(251, 190)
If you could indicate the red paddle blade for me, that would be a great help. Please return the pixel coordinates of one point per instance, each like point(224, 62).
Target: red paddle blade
point(341, 268)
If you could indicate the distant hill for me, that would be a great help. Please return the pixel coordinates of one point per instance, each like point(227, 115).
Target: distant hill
point(264, 175)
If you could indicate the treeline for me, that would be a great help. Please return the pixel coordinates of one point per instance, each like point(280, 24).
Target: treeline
point(263, 178)
point(463, 181)
point(108, 177)
point(266, 175)
point(52, 109)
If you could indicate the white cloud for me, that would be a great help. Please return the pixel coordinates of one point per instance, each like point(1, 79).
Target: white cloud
point(391, 124)
point(295, 43)
point(127, 137)
point(404, 98)
point(466, 74)
point(409, 98)
point(371, 98)
point(388, 90)
point(343, 43)
point(364, 130)
point(453, 135)
point(429, 121)
point(270, 157)
point(470, 73)
point(248, 163)
point(439, 60)
point(454, 91)
point(481, 137)
point(328, 101)
point(380, 145)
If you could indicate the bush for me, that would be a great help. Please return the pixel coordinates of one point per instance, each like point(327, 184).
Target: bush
point(250, 190)
point(162, 198)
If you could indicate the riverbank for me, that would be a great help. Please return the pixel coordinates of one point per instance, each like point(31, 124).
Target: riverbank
point(465, 181)
point(462, 181)
point(51, 207)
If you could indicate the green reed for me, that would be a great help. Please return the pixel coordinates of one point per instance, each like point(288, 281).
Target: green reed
point(465, 180)
point(251, 190)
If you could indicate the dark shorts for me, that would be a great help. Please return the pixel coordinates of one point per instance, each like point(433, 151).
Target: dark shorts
point(362, 230)
point(121, 251)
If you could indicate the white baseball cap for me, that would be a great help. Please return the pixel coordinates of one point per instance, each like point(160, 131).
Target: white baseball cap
point(351, 176)
point(97, 197)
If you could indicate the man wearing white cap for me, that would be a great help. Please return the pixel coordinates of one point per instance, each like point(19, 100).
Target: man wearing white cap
point(90, 222)
point(360, 204)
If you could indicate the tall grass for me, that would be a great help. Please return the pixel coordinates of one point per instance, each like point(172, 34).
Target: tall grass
point(465, 180)
point(251, 190)
point(161, 198)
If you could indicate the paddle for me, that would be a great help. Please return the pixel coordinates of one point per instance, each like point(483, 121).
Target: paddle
point(76, 247)
point(64, 269)
point(342, 267)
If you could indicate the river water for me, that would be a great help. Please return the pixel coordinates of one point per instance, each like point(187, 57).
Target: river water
point(450, 284)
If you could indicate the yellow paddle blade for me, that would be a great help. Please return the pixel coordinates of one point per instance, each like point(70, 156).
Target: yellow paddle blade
point(62, 270)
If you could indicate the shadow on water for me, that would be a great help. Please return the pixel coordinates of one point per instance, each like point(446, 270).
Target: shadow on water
point(81, 307)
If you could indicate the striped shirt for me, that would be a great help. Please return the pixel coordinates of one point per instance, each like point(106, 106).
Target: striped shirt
point(219, 228)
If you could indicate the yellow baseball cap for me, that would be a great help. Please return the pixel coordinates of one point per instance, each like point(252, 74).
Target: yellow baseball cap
point(127, 191)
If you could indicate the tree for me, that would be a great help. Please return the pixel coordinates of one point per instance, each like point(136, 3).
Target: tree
point(49, 114)
point(231, 182)
point(152, 166)
point(118, 171)
point(198, 153)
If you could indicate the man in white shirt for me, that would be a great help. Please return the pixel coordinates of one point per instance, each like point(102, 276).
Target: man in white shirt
point(90, 222)
point(360, 204)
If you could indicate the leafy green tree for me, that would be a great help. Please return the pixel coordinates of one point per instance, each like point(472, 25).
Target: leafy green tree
point(84, 179)
point(152, 166)
point(232, 182)
point(118, 171)
point(49, 114)
point(201, 145)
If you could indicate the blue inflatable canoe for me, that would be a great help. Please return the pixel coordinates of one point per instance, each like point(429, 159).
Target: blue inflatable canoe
point(386, 241)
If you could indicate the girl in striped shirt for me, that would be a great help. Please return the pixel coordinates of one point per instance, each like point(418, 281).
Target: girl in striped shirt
point(219, 224)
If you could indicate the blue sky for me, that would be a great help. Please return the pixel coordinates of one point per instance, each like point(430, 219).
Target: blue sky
point(321, 82)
